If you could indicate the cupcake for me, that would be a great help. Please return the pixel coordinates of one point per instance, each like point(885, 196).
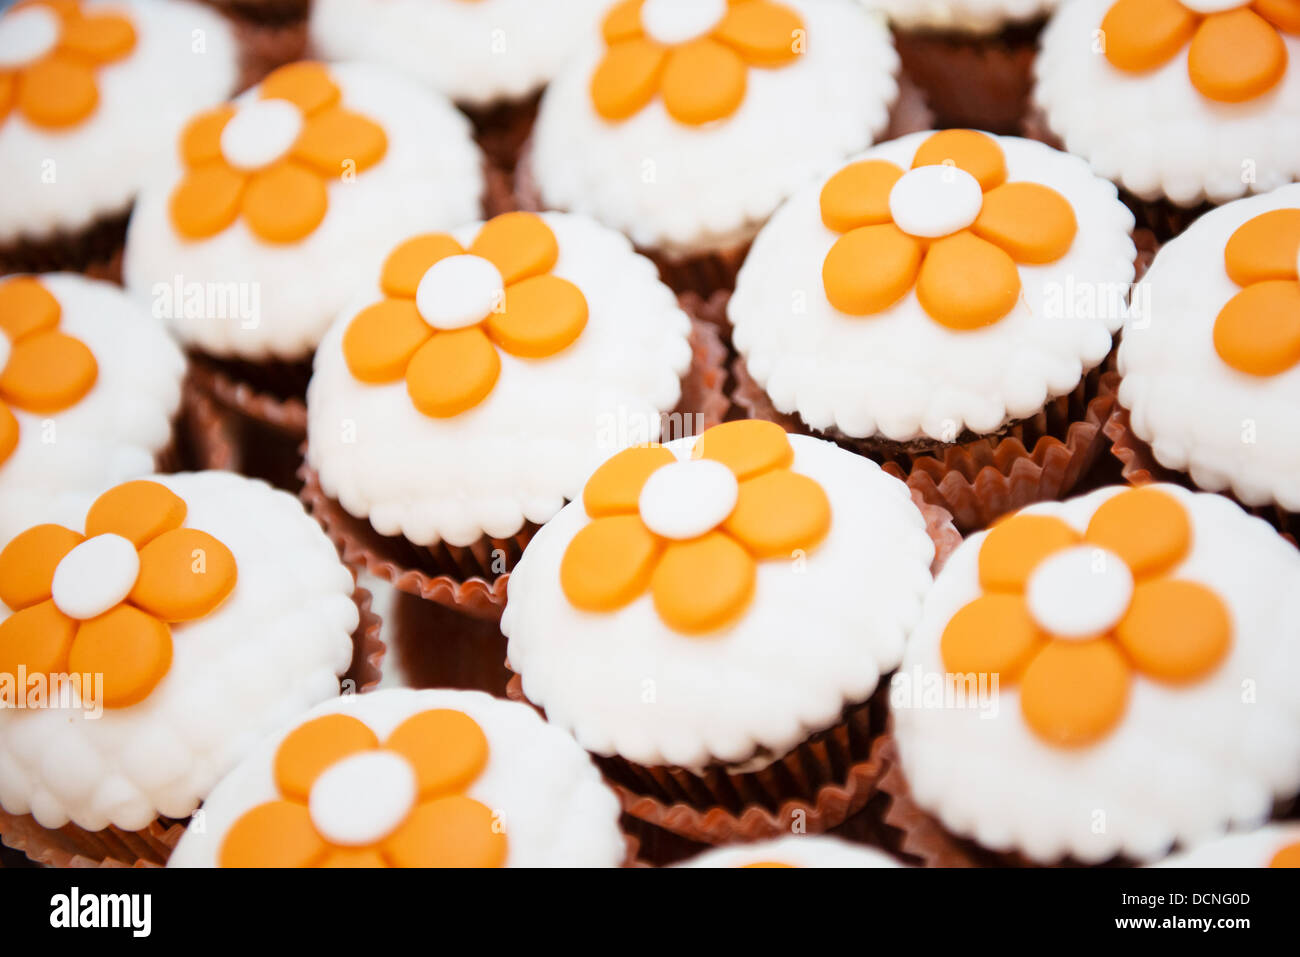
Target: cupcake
point(406, 778)
point(1183, 104)
point(969, 357)
point(972, 58)
point(689, 121)
point(1113, 676)
point(90, 385)
point(790, 851)
point(88, 91)
point(282, 205)
point(469, 391)
point(148, 642)
point(492, 57)
point(1277, 845)
point(1211, 365)
point(712, 621)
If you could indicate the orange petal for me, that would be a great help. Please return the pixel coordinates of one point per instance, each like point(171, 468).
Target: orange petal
point(1176, 631)
point(540, 316)
point(627, 78)
point(1015, 546)
point(1283, 14)
point(703, 584)
point(453, 831)
point(284, 203)
point(1143, 34)
point(746, 446)
point(622, 22)
point(305, 84)
point(1288, 856)
point(407, 264)
point(275, 834)
point(184, 574)
point(367, 857)
point(8, 433)
point(1074, 692)
point(313, 746)
point(334, 138)
point(138, 511)
point(1147, 528)
point(967, 283)
point(101, 38)
point(1030, 222)
point(27, 564)
point(1264, 248)
point(762, 32)
point(47, 372)
point(1258, 331)
point(379, 343)
point(615, 487)
point(8, 93)
point(778, 513)
point(38, 639)
point(871, 268)
point(518, 244)
point(446, 748)
point(130, 648)
point(201, 138)
point(703, 81)
point(57, 91)
point(858, 195)
point(993, 635)
point(608, 563)
point(452, 372)
point(206, 201)
point(26, 306)
point(976, 153)
point(1236, 56)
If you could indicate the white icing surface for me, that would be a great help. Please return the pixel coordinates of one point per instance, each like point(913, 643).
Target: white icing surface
point(363, 798)
point(556, 810)
point(1153, 132)
point(935, 201)
point(1226, 428)
point(478, 53)
point(963, 16)
point(430, 177)
point(62, 179)
point(818, 635)
point(96, 575)
point(119, 426)
point(1253, 849)
point(1184, 763)
point(676, 21)
point(459, 291)
point(1080, 592)
point(899, 373)
point(260, 133)
point(686, 499)
point(684, 190)
point(27, 35)
point(546, 425)
point(808, 850)
point(274, 647)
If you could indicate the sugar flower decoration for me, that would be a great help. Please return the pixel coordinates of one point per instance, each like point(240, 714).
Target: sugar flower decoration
point(1258, 331)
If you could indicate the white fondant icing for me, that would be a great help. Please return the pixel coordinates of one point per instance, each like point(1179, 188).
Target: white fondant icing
point(818, 634)
point(806, 850)
point(260, 133)
point(934, 201)
point(1252, 849)
point(551, 801)
point(676, 21)
point(5, 348)
point(459, 291)
point(27, 35)
point(686, 499)
point(362, 798)
point(1184, 763)
point(898, 373)
point(1227, 429)
point(1080, 593)
point(976, 17)
point(1214, 6)
point(96, 575)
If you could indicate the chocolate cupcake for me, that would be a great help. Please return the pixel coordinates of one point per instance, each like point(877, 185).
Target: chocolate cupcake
point(90, 93)
point(1277, 845)
point(969, 357)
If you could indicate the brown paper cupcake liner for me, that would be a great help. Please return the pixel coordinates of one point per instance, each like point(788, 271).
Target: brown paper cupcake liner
point(473, 579)
point(95, 251)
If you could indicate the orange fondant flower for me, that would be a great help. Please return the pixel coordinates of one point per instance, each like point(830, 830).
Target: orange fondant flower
point(42, 370)
point(1072, 617)
point(1288, 856)
point(693, 532)
point(951, 226)
point(49, 51)
point(448, 309)
point(1236, 53)
point(694, 53)
point(348, 801)
point(101, 603)
point(271, 159)
point(1258, 331)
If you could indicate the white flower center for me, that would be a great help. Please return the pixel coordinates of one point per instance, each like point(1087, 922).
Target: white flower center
point(1080, 593)
point(27, 35)
point(1213, 6)
point(363, 798)
point(260, 133)
point(676, 21)
point(95, 576)
point(459, 291)
point(686, 499)
point(934, 201)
